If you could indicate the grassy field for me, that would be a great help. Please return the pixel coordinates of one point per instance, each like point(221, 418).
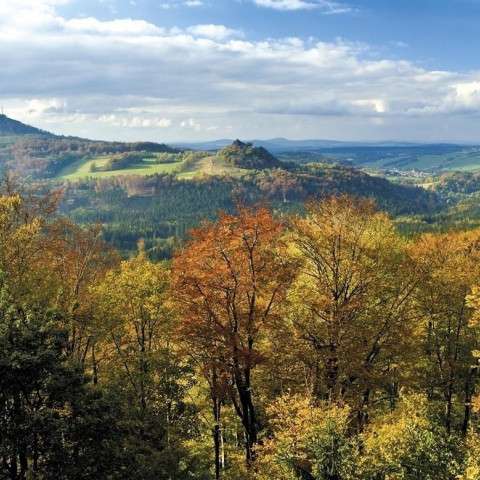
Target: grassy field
point(83, 169)
point(464, 160)
point(468, 160)
point(208, 165)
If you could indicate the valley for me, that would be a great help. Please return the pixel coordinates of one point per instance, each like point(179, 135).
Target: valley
point(156, 192)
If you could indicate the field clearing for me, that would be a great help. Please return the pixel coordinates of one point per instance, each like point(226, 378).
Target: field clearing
point(466, 160)
point(83, 169)
point(209, 165)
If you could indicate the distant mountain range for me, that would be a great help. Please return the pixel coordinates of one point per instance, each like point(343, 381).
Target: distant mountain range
point(11, 127)
point(286, 145)
point(388, 156)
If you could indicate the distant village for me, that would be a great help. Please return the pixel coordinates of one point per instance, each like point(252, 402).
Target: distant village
point(394, 172)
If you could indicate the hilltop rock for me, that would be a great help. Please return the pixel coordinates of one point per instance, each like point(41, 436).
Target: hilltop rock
point(245, 155)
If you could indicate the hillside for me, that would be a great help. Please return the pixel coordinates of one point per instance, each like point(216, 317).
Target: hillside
point(155, 192)
point(40, 154)
point(162, 208)
point(10, 127)
point(245, 155)
point(234, 160)
point(46, 156)
point(383, 156)
point(389, 159)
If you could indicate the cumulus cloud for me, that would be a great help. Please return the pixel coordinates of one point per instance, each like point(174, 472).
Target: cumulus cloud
point(135, 121)
point(132, 79)
point(217, 32)
point(114, 27)
point(326, 6)
point(167, 5)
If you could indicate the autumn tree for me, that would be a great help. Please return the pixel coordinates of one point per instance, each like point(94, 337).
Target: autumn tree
point(308, 441)
point(449, 267)
point(21, 248)
point(229, 282)
point(78, 259)
point(138, 359)
point(351, 300)
point(407, 443)
point(51, 261)
point(53, 425)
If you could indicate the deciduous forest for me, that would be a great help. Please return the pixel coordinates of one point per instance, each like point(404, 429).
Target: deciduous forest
point(239, 240)
point(316, 346)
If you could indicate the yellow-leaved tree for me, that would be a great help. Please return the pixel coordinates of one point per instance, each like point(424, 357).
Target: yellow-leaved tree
point(449, 266)
point(408, 444)
point(137, 323)
point(351, 302)
point(309, 440)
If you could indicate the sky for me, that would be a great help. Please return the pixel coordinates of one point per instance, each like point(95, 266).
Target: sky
point(191, 70)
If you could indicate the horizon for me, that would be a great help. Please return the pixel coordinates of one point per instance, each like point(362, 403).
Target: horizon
point(186, 142)
point(197, 71)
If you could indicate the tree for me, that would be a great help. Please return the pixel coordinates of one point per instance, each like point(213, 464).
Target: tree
point(407, 444)
point(351, 300)
point(309, 441)
point(472, 461)
point(139, 361)
point(78, 258)
point(229, 282)
point(53, 425)
point(448, 265)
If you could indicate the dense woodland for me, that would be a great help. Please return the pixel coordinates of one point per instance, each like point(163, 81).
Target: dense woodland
point(321, 346)
point(264, 322)
point(44, 157)
point(161, 208)
point(245, 155)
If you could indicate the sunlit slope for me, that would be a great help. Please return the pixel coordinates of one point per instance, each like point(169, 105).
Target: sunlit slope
point(430, 158)
point(93, 168)
point(234, 160)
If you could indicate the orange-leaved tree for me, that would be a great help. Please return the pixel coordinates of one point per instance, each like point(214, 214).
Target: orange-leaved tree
point(229, 282)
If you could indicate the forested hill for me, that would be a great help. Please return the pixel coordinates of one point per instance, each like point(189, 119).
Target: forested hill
point(11, 127)
point(43, 157)
point(245, 155)
point(161, 208)
point(153, 192)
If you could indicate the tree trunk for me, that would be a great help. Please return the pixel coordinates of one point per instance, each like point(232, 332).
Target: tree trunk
point(362, 415)
point(448, 406)
point(469, 390)
point(331, 373)
point(247, 413)
point(94, 366)
point(217, 437)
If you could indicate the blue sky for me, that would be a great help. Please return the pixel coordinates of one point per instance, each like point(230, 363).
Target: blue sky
point(170, 70)
point(437, 33)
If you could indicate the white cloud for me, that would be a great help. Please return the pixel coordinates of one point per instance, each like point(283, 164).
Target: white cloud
point(113, 78)
point(114, 27)
point(167, 5)
point(326, 6)
point(135, 121)
point(216, 32)
point(191, 123)
point(37, 107)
